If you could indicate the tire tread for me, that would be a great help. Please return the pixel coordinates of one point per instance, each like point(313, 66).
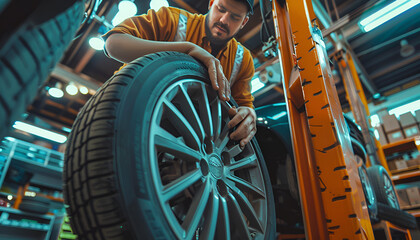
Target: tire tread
point(30, 55)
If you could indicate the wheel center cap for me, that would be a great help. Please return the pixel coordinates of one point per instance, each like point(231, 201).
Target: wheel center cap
point(216, 166)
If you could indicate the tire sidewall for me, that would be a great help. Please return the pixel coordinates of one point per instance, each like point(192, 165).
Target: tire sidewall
point(376, 177)
point(132, 135)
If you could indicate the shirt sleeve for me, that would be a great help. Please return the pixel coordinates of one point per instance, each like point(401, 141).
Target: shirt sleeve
point(241, 89)
point(158, 26)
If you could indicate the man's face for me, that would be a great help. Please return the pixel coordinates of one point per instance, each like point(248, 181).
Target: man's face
point(225, 19)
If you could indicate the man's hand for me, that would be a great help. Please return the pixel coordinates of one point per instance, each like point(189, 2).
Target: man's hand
point(246, 118)
point(217, 77)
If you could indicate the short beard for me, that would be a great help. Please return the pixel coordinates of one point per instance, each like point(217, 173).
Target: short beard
point(213, 40)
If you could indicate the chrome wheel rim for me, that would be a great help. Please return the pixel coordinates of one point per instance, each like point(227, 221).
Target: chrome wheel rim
point(367, 188)
point(207, 187)
point(390, 193)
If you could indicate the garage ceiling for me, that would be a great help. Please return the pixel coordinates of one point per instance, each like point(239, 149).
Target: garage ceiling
point(382, 67)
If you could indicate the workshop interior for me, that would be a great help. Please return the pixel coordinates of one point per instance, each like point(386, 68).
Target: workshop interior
point(90, 150)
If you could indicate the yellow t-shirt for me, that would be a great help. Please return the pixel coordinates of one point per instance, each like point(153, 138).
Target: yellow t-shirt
point(163, 25)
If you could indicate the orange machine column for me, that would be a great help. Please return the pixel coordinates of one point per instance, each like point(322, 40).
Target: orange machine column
point(331, 193)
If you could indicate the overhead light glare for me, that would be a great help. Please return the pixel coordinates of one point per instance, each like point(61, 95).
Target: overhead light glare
point(387, 13)
point(40, 132)
point(126, 9)
point(409, 107)
point(71, 89)
point(84, 90)
point(97, 43)
point(65, 129)
point(256, 85)
point(279, 115)
point(56, 92)
point(157, 4)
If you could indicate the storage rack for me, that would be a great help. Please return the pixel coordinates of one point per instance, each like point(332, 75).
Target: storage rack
point(46, 166)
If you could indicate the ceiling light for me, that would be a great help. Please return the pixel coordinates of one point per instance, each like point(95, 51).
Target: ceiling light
point(157, 4)
point(40, 132)
point(65, 129)
point(84, 90)
point(71, 89)
point(409, 107)
point(385, 14)
point(56, 91)
point(279, 115)
point(406, 48)
point(96, 43)
point(126, 9)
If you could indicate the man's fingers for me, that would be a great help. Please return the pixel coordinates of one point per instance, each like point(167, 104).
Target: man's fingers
point(243, 130)
point(248, 138)
point(213, 75)
point(232, 111)
point(239, 117)
point(221, 79)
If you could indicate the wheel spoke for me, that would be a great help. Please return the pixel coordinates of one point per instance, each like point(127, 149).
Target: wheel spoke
point(241, 227)
point(196, 210)
point(247, 208)
point(166, 142)
point(211, 219)
point(246, 186)
point(223, 226)
point(182, 125)
point(205, 114)
point(188, 109)
point(180, 184)
point(223, 138)
point(247, 162)
point(217, 118)
point(234, 151)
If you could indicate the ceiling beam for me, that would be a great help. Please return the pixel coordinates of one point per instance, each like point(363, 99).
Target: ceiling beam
point(67, 75)
point(388, 69)
point(366, 80)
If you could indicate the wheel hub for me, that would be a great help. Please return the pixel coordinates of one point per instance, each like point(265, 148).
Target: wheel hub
point(215, 166)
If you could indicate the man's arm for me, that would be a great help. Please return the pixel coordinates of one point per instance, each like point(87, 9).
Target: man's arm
point(126, 48)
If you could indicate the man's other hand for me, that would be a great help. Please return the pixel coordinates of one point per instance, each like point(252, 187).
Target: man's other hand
point(217, 77)
point(246, 118)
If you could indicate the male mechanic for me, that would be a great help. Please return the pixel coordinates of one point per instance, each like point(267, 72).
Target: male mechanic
point(208, 38)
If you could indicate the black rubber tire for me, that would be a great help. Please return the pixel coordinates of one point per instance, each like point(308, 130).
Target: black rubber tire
point(396, 216)
point(28, 57)
point(376, 177)
point(37, 199)
point(366, 184)
point(108, 180)
point(39, 205)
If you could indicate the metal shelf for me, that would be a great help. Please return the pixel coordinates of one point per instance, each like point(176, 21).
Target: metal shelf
point(15, 224)
point(406, 177)
point(402, 146)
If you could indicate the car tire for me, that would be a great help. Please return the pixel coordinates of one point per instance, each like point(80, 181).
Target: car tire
point(39, 205)
point(149, 158)
point(369, 192)
point(396, 216)
point(28, 56)
point(382, 184)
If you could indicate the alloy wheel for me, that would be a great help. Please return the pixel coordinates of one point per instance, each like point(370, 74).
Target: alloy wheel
point(207, 186)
